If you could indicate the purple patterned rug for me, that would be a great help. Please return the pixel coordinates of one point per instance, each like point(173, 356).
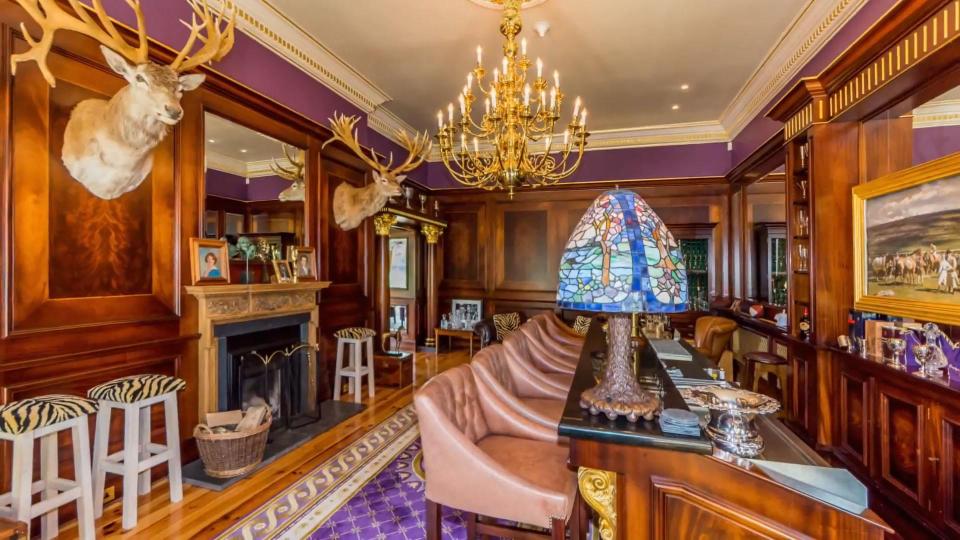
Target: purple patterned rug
point(390, 506)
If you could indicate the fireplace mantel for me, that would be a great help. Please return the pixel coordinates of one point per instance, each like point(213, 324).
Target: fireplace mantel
point(218, 304)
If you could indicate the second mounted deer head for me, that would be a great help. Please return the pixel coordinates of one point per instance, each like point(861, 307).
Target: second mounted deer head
point(294, 172)
point(108, 144)
point(352, 205)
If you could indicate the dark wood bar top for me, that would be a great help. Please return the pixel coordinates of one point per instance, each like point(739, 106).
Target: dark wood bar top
point(580, 424)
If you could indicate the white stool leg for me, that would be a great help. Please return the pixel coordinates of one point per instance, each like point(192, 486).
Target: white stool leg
point(370, 378)
point(337, 378)
point(22, 477)
point(49, 472)
point(357, 379)
point(131, 454)
point(101, 442)
point(172, 420)
point(143, 484)
point(81, 464)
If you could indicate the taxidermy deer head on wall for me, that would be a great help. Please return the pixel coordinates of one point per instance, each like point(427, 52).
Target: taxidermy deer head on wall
point(108, 144)
point(352, 205)
point(293, 172)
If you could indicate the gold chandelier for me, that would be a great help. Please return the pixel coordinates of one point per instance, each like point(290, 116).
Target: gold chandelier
point(515, 143)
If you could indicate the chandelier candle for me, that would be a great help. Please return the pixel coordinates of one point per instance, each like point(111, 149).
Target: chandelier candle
point(513, 139)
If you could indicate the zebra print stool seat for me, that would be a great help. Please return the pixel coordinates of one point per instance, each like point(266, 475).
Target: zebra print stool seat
point(136, 388)
point(44, 418)
point(356, 339)
point(134, 396)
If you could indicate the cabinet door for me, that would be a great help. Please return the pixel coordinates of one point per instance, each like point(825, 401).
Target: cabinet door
point(855, 420)
point(803, 391)
point(903, 454)
point(947, 464)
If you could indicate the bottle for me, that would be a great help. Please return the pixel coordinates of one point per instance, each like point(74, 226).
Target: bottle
point(804, 325)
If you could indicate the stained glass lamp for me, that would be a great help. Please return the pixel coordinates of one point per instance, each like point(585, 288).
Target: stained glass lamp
point(621, 259)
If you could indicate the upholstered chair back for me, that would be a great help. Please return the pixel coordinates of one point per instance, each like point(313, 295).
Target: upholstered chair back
point(453, 401)
point(493, 361)
point(712, 335)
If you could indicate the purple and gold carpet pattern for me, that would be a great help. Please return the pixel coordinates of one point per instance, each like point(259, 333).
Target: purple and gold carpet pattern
point(389, 507)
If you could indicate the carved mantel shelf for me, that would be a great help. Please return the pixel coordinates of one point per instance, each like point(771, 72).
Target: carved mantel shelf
point(219, 304)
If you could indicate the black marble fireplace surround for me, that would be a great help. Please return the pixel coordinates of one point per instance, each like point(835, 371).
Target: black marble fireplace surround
point(243, 378)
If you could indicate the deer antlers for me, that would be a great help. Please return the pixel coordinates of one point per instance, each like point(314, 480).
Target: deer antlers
point(295, 173)
point(344, 130)
point(51, 18)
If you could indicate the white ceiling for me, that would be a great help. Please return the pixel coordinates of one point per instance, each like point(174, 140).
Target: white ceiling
point(627, 58)
point(237, 149)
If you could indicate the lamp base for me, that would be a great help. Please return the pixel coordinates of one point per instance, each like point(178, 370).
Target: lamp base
point(618, 393)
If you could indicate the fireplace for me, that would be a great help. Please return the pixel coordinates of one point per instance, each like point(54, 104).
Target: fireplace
point(267, 361)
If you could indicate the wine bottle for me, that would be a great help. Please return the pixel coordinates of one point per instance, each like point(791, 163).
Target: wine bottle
point(804, 325)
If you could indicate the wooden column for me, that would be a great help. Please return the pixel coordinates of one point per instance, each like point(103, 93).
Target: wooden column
point(432, 234)
point(382, 224)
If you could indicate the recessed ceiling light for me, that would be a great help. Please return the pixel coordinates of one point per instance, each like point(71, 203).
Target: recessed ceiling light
point(243, 150)
point(542, 27)
point(211, 140)
point(684, 86)
point(675, 107)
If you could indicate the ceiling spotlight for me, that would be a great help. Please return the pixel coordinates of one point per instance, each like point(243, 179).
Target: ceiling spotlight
point(541, 28)
point(684, 87)
point(211, 140)
point(675, 107)
point(243, 150)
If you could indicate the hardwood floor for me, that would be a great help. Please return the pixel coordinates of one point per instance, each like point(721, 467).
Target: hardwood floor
point(203, 513)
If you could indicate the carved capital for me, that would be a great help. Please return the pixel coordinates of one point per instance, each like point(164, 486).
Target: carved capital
point(432, 232)
point(383, 222)
point(599, 490)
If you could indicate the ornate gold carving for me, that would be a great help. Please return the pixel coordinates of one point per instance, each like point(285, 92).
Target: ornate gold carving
point(276, 302)
point(432, 232)
point(227, 306)
point(383, 222)
point(599, 489)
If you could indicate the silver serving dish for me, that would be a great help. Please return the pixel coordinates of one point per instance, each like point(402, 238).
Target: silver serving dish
point(732, 414)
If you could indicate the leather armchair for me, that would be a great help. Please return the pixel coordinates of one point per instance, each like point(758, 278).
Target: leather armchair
point(486, 331)
point(547, 372)
point(547, 353)
point(499, 379)
point(563, 331)
point(485, 459)
point(712, 337)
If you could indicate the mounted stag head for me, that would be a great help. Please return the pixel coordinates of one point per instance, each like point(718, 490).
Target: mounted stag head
point(352, 205)
point(293, 173)
point(108, 145)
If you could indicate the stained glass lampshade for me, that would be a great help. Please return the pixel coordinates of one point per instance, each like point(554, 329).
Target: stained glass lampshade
point(621, 258)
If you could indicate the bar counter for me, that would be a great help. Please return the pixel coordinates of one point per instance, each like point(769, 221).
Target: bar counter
point(643, 483)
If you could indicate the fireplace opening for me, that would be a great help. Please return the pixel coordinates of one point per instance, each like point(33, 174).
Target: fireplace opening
point(268, 362)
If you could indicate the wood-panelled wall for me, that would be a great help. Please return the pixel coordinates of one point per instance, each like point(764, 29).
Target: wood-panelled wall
point(507, 252)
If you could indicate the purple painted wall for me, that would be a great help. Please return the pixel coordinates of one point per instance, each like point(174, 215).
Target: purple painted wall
point(762, 128)
point(267, 188)
point(235, 187)
point(935, 142)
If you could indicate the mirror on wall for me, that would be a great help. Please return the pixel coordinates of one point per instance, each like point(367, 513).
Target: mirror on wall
point(254, 191)
point(765, 239)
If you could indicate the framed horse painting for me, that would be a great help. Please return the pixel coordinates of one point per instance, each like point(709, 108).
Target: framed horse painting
point(907, 242)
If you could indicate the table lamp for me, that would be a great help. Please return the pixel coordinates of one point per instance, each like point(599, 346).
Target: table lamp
point(621, 259)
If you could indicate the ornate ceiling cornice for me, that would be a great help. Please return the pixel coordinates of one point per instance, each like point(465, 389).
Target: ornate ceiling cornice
point(937, 114)
point(236, 167)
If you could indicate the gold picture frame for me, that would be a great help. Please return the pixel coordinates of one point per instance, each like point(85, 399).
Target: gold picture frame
point(898, 254)
point(282, 271)
point(209, 262)
point(303, 262)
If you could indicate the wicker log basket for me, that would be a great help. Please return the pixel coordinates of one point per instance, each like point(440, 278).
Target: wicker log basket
point(233, 453)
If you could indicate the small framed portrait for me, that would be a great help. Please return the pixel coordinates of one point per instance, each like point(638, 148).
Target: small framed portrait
point(469, 311)
point(281, 269)
point(303, 259)
point(209, 261)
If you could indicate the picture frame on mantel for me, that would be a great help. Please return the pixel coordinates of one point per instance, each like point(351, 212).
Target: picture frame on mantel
point(209, 262)
point(303, 262)
point(906, 237)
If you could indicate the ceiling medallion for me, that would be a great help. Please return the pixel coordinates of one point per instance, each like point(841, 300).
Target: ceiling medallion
point(498, 4)
point(514, 142)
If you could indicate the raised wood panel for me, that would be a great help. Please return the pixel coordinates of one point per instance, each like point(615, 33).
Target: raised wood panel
point(462, 247)
point(949, 468)
point(685, 512)
point(803, 370)
point(526, 250)
point(901, 448)
point(855, 416)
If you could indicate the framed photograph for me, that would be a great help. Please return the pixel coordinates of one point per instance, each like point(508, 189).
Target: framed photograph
point(304, 262)
point(281, 269)
point(472, 309)
point(399, 257)
point(907, 242)
point(209, 261)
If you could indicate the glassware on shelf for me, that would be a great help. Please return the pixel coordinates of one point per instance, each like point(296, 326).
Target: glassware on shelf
point(803, 184)
point(803, 222)
point(897, 347)
point(930, 362)
point(423, 203)
point(408, 195)
point(803, 253)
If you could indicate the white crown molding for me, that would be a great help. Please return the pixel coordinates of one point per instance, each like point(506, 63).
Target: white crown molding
point(937, 114)
point(236, 167)
point(809, 32)
point(266, 24)
point(388, 124)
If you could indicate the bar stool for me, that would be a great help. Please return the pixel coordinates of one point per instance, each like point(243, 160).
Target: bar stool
point(44, 418)
point(356, 338)
point(759, 364)
point(135, 395)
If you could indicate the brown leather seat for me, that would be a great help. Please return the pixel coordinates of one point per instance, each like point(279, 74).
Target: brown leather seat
point(485, 459)
point(563, 330)
point(712, 336)
point(538, 366)
point(550, 353)
point(499, 379)
point(761, 357)
point(760, 364)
